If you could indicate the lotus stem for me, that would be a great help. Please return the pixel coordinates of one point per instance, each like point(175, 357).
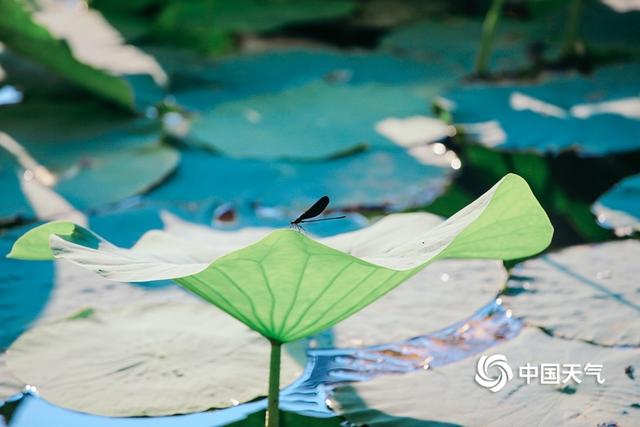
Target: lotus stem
point(488, 33)
point(273, 412)
point(573, 23)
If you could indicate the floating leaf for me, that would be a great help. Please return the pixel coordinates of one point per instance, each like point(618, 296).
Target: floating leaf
point(92, 162)
point(315, 121)
point(209, 24)
point(447, 43)
point(379, 178)
point(562, 114)
point(238, 77)
point(82, 66)
point(105, 49)
point(13, 204)
point(589, 293)
point(391, 13)
point(288, 286)
point(9, 385)
point(619, 208)
point(435, 298)
point(40, 292)
point(146, 360)
point(449, 395)
point(604, 29)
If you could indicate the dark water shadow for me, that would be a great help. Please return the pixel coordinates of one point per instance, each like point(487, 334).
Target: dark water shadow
point(349, 400)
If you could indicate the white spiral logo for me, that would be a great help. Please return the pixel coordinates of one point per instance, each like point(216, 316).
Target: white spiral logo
point(493, 383)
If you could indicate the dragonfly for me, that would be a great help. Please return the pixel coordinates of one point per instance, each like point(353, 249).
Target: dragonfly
point(316, 209)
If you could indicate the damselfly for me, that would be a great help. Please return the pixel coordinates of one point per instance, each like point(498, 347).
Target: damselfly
point(316, 209)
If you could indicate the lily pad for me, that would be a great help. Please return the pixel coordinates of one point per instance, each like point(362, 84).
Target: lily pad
point(63, 51)
point(319, 120)
point(146, 360)
point(588, 293)
point(619, 208)
point(13, 204)
point(389, 178)
point(9, 385)
point(391, 13)
point(237, 77)
point(449, 395)
point(433, 299)
point(44, 291)
point(50, 291)
point(448, 42)
point(569, 113)
point(607, 29)
point(210, 24)
point(91, 163)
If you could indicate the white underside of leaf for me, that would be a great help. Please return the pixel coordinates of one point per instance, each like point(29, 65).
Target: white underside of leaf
point(178, 251)
point(399, 241)
point(450, 395)
point(404, 241)
point(588, 292)
point(143, 359)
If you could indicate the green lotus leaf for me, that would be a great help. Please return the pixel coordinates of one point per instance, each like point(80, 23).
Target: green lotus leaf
point(287, 285)
point(56, 37)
